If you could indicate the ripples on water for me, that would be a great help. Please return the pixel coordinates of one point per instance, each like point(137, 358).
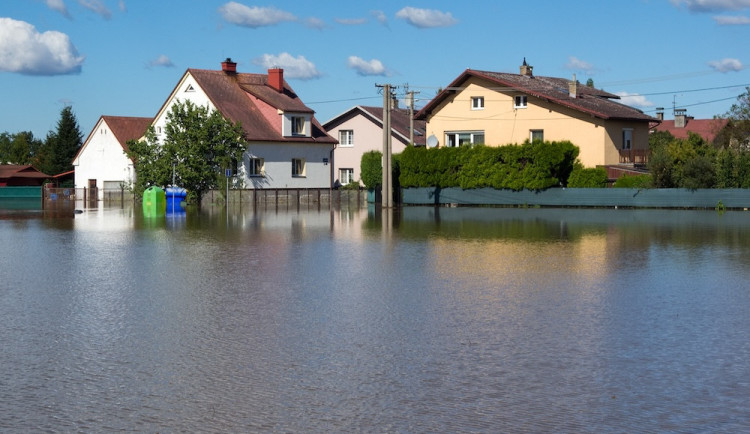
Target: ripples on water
point(448, 320)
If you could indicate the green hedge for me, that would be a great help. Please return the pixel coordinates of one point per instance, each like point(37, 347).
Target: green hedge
point(592, 177)
point(532, 166)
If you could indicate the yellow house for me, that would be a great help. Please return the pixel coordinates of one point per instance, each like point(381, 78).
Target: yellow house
point(496, 109)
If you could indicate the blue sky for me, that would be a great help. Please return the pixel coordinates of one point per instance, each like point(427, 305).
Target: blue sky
point(124, 57)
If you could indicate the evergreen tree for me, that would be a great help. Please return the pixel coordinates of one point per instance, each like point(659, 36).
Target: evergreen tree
point(62, 145)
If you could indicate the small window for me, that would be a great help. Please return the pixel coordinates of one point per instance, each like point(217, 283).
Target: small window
point(536, 136)
point(346, 138)
point(346, 176)
point(520, 101)
point(627, 138)
point(189, 88)
point(256, 167)
point(298, 126)
point(477, 103)
point(298, 167)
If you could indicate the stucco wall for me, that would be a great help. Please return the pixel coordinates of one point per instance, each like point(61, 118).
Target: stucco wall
point(277, 158)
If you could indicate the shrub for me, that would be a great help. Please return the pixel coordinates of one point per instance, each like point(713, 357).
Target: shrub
point(634, 181)
point(371, 168)
point(593, 177)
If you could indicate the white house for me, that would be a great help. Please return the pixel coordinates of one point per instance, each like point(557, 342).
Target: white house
point(101, 163)
point(360, 130)
point(288, 148)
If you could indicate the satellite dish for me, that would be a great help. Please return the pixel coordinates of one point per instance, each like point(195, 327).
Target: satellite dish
point(432, 141)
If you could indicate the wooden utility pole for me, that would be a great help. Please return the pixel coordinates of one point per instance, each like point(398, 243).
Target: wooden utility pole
point(387, 184)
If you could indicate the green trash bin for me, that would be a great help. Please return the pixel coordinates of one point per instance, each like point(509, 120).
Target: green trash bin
point(154, 202)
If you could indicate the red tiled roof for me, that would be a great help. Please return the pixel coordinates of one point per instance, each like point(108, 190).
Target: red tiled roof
point(399, 122)
point(20, 171)
point(232, 94)
point(127, 128)
point(592, 101)
point(706, 128)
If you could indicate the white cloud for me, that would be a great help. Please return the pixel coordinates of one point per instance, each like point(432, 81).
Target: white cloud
point(712, 5)
point(97, 7)
point(380, 17)
point(121, 5)
point(59, 6)
point(732, 20)
point(162, 60)
point(351, 21)
point(294, 67)
point(634, 99)
point(26, 51)
point(726, 65)
point(315, 23)
point(425, 18)
point(254, 17)
point(363, 67)
point(577, 64)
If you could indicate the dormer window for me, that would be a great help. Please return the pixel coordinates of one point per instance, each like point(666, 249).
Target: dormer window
point(298, 126)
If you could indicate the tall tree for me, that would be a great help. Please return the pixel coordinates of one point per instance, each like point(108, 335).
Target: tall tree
point(198, 145)
point(62, 145)
point(737, 132)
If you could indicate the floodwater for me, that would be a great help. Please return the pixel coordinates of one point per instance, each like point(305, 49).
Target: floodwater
point(415, 320)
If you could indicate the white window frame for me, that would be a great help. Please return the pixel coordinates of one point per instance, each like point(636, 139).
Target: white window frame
point(520, 101)
point(346, 176)
point(454, 138)
point(532, 132)
point(256, 167)
point(477, 103)
point(346, 138)
point(627, 138)
point(298, 168)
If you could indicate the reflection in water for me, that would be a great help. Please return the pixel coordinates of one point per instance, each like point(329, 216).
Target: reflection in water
point(407, 320)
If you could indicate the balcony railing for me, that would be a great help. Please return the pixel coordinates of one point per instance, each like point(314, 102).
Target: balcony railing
point(634, 156)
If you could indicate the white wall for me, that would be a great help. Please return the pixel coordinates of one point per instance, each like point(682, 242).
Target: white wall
point(278, 165)
point(102, 158)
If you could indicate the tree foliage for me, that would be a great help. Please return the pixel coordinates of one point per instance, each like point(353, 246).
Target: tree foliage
point(737, 131)
point(20, 148)
point(371, 169)
point(198, 146)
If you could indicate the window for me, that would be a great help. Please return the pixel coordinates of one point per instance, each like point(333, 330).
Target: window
point(346, 138)
point(346, 176)
point(298, 167)
point(256, 167)
point(189, 88)
point(536, 135)
point(464, 138)
point(477, 103)
point(627, 138)
point(298, 126)
point(519, 101)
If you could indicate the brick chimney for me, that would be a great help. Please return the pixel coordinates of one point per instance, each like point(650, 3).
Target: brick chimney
point(660, 113)
point(573, 87)
point(276, 79)
point(228, 66)
point(526, 69)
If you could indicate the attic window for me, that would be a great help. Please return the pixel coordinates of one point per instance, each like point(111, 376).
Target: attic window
point(477, 103)
point(298, 126)
point(519, 101)
point(189, 88)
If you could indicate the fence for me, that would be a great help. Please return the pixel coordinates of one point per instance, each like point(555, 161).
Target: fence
point(286, 197)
